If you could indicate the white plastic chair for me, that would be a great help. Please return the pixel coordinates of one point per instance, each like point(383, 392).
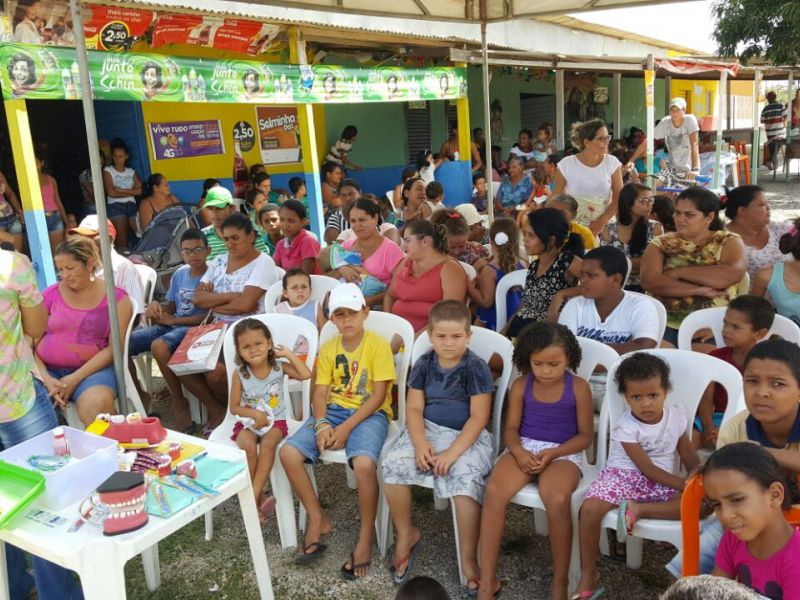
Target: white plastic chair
point(594, 354)
point(320, 286)
point(280, 272)
point(630, 270)
point(149, 277)
point(660, 309)
point(70, 410)
point(285, 330)
point(510, 280)
point(469, 270)
point(387, 326)
point(485, 343)
point(691, 372)
point(712, 318)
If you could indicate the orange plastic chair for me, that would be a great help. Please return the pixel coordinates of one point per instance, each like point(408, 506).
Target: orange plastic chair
point(742, 162)
point(691, 500)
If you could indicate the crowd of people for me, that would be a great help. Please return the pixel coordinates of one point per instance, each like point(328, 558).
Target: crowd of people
point(600, 252)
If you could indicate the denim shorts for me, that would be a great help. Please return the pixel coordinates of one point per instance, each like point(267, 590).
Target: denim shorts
point(116, 210)
point(716, 419)
point(104, 377)
point(141, 339)
point(54, 222)
point(710, 536)
point(40, 418)
point(366, 439)
point(11, 224)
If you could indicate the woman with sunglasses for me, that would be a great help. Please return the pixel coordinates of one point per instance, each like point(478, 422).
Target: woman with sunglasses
point(633, 229)
point(592, 176)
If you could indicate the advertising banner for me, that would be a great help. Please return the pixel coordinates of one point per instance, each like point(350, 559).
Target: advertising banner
point(50, 72)
point(49, 22)
point(184, 139)
point(278, 134)
point(236, 35)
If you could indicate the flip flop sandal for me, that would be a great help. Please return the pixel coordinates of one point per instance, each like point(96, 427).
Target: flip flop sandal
point(623, 531)
point(306, 557)
point(350, 574)
point(589, 594)
point(409, 560)
point(267, 507)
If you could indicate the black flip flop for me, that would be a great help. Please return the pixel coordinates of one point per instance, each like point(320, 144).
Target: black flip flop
point(306, 557)
point(350, 574)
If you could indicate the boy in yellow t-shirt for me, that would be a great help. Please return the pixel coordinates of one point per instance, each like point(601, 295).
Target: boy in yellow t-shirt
point(351, 409)
point(569, 208)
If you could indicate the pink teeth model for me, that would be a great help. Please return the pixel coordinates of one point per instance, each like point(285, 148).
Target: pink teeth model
point(124, 494)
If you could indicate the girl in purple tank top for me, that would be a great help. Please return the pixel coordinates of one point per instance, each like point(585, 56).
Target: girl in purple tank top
point(548, 425)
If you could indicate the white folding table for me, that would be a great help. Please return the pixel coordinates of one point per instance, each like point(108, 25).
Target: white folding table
point(100, 560)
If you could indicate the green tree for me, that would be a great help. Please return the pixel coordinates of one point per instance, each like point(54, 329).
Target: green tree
point(768, 29)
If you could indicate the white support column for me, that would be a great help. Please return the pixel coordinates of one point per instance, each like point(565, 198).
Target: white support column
point(560, 125)
point(487, 122)
point(649, 99)
point(618, 106)
point(667, 93)
point(755, 152)
point(787, 163)
point(721, 116)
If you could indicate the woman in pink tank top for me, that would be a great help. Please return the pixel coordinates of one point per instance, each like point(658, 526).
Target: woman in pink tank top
point(54, 212)
point(425, 277)
point(74, 355)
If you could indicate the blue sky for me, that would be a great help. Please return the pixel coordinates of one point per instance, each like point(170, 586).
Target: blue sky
point(686, 23)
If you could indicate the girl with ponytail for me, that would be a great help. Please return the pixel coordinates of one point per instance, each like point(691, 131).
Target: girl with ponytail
point(553, 276)
point(504, 236)
point(426, 276)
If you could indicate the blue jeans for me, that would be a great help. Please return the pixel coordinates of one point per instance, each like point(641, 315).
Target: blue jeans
point(53, 220)
point(366, 439)
point(141, 339)
point(52, 581)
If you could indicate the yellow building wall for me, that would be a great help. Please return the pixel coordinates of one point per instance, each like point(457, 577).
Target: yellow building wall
point(200, 167)
point(701, 99)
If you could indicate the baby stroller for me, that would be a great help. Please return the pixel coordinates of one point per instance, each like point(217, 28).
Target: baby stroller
point(160, 246)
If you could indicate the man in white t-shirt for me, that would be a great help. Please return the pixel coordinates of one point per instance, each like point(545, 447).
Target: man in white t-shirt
point(125, 274)
point(679, 131)
point(605, 312)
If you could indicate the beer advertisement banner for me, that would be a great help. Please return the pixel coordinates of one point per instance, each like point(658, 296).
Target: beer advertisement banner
point(184, 139)
point(278, 134)
point(51, 72)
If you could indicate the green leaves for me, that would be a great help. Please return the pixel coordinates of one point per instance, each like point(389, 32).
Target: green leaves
point(765, 29)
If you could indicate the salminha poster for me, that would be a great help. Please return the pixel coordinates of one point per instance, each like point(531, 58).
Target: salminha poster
point(278, 134)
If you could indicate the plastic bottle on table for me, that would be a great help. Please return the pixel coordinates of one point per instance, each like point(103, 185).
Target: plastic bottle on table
point(60, 446)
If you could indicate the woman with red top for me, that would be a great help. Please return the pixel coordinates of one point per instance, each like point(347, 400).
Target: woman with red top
point(425, 277)
point(54, 213)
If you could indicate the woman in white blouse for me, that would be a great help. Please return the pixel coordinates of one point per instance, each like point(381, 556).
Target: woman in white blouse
point(592, 176)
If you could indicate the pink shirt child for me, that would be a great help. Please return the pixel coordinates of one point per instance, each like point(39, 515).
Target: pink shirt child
point(383, 261)
point(73, 335)
point(776, 577)
point(290, 255)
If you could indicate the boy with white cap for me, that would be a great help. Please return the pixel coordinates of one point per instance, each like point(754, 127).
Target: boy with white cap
point(680, 133)
point(351, 408)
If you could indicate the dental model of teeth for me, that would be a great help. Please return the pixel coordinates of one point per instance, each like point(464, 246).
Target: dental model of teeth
point(124, 495)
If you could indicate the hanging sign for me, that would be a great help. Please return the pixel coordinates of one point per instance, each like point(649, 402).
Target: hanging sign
point(278, 134)
point(184, 139)
point(235, 35)
point(50, 72)
point(49, 22)
point(244, 133)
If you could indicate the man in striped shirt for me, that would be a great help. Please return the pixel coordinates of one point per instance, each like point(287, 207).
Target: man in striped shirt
point(773, 117)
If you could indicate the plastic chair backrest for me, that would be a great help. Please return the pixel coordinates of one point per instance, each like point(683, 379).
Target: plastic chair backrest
point(130, 389)
point(485, 343)
point(148, 276)
point(712, 318)
point(469, 270)
point(279, 272)
point(691, 501)
point(285, 330)
point(513, 279)
point(691, 372)
point(630, 270)
point(320, 286)
point(595, 354)
point(387, 326)
point(660, 309)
